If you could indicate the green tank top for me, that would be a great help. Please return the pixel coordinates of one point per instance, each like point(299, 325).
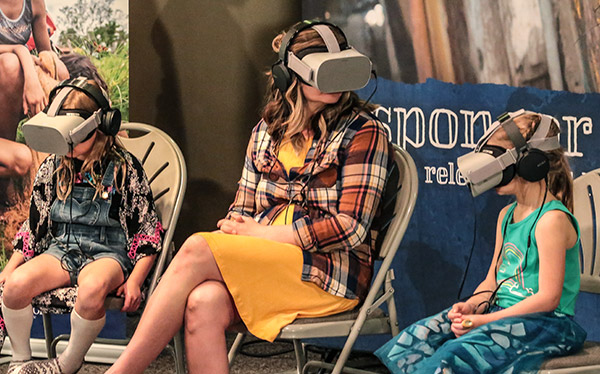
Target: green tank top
point(523, 280)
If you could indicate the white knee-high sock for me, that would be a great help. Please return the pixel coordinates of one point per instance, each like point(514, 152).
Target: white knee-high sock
point(18, 326)
point(83, 333)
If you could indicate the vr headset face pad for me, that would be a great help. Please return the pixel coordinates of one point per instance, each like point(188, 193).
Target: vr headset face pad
point(496, 151)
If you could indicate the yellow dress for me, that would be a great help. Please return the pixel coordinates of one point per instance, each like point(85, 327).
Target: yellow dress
point(264, 276)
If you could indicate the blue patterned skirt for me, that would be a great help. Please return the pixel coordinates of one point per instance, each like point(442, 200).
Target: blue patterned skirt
point(510, 345)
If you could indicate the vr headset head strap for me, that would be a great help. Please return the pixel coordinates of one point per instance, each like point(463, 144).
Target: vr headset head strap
point(81, 84)
point(57, 100)
point(324, 30)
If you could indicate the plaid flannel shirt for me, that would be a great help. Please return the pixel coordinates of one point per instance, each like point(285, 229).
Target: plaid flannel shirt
point(336, 194)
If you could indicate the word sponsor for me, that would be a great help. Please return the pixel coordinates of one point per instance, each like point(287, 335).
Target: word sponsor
point(410, 126)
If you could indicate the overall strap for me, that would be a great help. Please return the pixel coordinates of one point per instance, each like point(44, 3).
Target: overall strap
point(109, 175)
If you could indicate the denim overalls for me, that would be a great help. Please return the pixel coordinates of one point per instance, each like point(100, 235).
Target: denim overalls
point(93, 233)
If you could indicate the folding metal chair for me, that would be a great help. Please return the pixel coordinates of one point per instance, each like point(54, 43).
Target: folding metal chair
point(165, 168)
point(397, 205)
point(586, 201)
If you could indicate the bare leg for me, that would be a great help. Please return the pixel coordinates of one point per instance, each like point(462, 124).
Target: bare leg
point(210, 310)
point(11, 95)
point(163, 316)
point(96, 280)
point(40, 274)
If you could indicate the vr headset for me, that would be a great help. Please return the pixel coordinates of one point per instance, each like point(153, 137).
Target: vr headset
point(490, 166)
point(333, 68)
point(56, 130)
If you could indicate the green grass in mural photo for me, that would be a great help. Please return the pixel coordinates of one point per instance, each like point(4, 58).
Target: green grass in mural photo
point(98, 29)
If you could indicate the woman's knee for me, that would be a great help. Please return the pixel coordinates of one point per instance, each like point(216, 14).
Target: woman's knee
point(10, 70)
point(208, 305)
point(193, 251)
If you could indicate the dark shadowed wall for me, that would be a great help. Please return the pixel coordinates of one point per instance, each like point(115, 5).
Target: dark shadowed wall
point(197, 72)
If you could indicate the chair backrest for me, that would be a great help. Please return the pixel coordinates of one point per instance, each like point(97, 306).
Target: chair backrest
point(586, 207)
point(165, 168)
point(401, 193)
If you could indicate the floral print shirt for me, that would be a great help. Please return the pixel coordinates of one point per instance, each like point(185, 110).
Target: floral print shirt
point(132, 205)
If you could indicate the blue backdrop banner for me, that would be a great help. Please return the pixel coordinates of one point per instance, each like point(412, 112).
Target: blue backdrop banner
point(437, 122)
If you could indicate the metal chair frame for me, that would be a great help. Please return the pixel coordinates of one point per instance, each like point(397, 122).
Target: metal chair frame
point(165, 167)
point(369, 318)
point(586, 201)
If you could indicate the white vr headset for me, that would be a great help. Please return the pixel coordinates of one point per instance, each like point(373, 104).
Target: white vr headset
point(489, 166)
point(336, 68)
point(58, 131)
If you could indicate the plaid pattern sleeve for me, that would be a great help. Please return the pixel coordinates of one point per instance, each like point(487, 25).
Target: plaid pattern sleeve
point(335, 195)
point(244, 202)
point(362, 178)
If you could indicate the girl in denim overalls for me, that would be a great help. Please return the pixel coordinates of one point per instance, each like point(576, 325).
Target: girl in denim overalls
point(92, 224)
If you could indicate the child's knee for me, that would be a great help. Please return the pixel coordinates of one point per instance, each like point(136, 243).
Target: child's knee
point(17, 288)
point(92, 294)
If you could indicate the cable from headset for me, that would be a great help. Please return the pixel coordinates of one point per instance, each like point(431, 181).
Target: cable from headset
point(464, 277)
point(491, 300)
point(78, 254)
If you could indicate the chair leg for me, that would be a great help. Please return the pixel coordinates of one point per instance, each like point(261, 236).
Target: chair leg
point(235, 347)
point(179, 347)
point(48, 335)
point(300, 355)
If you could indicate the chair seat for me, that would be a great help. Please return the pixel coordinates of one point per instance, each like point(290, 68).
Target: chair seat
point(377, 322)
point(588, 356)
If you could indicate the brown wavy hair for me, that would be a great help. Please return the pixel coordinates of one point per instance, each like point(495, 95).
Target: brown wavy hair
point(560, 180)
point(287, 115)
point(104, 146)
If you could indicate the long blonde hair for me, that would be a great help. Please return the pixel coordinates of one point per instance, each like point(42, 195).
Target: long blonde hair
point(287, 115)
point(560, 180)
point(104, 146)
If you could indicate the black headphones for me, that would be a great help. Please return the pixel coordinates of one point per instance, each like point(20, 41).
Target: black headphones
point(282, 76)
point(532, 165)
point(110, 121)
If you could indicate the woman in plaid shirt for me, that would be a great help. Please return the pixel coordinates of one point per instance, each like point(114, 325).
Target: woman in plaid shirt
point(296, 241)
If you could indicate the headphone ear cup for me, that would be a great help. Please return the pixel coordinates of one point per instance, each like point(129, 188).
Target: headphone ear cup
point(111, 122)
point(533, 166)
point(281, 76)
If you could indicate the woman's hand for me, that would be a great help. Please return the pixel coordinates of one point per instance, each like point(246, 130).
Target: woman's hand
point(132, 294)
point(241, 225)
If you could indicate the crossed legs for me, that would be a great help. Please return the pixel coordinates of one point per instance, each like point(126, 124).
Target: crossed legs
point(192, 287)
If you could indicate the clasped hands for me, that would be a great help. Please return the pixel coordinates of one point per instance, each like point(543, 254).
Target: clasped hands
point(237, 224)
point(463, 318)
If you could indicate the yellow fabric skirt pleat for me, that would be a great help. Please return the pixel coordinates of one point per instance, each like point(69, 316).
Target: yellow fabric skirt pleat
point(264, 279)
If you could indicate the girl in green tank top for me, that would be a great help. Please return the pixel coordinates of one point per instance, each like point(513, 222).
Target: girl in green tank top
point(521, 313)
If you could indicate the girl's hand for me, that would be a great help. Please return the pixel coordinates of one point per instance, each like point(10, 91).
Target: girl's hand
point(240, 225)
point(466, 323)
point(4, 276)
point(459, 309)
point(132, 294)
point(34, 98)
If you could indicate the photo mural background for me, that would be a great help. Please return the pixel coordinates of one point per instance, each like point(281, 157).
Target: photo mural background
point(81, 31)
point(447, 70)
